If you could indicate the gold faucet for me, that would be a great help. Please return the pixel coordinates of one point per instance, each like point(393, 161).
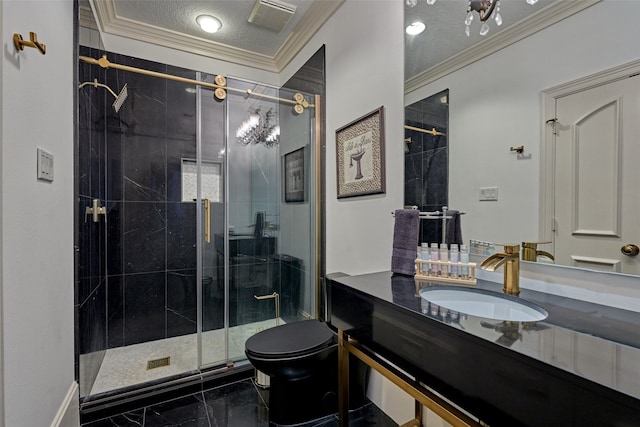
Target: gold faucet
point(511, 260)
point(530, 251)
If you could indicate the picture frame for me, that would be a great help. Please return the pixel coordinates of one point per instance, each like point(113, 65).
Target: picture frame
point(294, 176)
point(360, 156)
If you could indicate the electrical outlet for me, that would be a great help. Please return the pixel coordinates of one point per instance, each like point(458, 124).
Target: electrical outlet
point(488, 194)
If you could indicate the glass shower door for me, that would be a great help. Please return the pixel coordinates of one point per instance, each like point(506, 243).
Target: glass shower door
point(268, 259)
point(212, 246)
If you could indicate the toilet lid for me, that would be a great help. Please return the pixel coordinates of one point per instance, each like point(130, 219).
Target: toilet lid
point(291, 339)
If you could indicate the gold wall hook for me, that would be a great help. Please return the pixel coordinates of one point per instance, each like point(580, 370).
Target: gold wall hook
point(20, 43)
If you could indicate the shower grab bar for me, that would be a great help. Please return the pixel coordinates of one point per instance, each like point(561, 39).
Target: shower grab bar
point(276, 297)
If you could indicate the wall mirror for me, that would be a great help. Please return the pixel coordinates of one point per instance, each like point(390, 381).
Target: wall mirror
point(426, 160)
point(497, 91)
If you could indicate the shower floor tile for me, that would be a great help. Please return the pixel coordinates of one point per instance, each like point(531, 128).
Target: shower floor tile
point(127, 366)
point(239, 404)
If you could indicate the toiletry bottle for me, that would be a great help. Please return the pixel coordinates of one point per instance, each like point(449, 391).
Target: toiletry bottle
point(454, 255)
point(444, 256)
point(435, 256)
point(424, 255)
point(464, 257)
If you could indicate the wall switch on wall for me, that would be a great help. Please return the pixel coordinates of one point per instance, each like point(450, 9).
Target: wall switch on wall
point(488, 193)
point(45, 165)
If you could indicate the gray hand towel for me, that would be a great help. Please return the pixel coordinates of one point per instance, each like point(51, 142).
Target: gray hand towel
point(405, 241)
point(454, 228)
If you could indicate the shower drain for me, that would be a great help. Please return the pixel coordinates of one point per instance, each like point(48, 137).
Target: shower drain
point(158, 363)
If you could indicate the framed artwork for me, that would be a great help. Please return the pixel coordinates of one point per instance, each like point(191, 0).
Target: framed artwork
point(294, 185)
point(360, 156)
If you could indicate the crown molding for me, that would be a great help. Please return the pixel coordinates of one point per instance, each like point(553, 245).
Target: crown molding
point(538, 21)
point(85, 17)
point(316, 17)
point(109, 22)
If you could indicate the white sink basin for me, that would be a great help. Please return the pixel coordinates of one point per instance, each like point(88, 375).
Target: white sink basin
point(483, 303)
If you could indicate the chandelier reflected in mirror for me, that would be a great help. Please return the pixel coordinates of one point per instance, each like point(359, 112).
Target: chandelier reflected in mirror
point(484, 9)
point(259, 128)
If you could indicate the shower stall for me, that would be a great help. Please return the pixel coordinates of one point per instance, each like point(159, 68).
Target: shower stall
point(186, 241)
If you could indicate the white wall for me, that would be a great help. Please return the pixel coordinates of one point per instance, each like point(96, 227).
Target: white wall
point(36, 232)
point(364, 68)
point(495, 104)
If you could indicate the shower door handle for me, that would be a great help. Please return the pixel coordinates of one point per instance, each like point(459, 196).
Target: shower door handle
point(207, 220)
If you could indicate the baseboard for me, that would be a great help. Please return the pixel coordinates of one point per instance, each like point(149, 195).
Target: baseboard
point(69, 412)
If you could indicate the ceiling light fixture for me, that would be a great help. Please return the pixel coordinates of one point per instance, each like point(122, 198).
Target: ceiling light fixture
point(415, 28)
point(209, 23)
point(484, 9)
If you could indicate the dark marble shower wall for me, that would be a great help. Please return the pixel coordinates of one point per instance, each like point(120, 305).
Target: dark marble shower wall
point(137, 271)
point(426, 161)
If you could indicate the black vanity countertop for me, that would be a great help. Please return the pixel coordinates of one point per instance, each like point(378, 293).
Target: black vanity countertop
point(594, 342)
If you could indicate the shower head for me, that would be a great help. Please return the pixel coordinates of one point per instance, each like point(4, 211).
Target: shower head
point(120, 98)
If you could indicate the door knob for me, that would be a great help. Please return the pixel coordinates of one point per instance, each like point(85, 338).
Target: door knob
point(630, 249)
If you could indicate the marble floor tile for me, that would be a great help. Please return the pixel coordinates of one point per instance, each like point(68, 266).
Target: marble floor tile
point(239, 404)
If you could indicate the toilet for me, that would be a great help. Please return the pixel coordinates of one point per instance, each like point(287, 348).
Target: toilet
point(301, 359)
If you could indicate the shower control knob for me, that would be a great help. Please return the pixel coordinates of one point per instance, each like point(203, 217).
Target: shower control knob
point(630, 249)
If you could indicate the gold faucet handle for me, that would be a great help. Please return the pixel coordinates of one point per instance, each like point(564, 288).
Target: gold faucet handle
point(534, 245)
point(510, 248)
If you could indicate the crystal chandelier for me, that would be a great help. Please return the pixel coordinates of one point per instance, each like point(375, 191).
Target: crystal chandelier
point(259, 128)
point(484, 9)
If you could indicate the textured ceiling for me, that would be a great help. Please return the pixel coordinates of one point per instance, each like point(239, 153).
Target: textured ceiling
point(180, 16)
point(172, 23)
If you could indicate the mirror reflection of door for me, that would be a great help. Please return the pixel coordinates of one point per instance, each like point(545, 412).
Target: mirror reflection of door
point(597, 172)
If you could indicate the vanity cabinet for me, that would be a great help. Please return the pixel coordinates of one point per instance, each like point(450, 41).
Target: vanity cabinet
point(552, 376)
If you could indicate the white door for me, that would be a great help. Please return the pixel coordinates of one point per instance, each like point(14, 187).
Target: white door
point(597, 177)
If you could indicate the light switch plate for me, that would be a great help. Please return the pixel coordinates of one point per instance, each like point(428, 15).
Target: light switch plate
point(488, 194)
point(45, 165)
